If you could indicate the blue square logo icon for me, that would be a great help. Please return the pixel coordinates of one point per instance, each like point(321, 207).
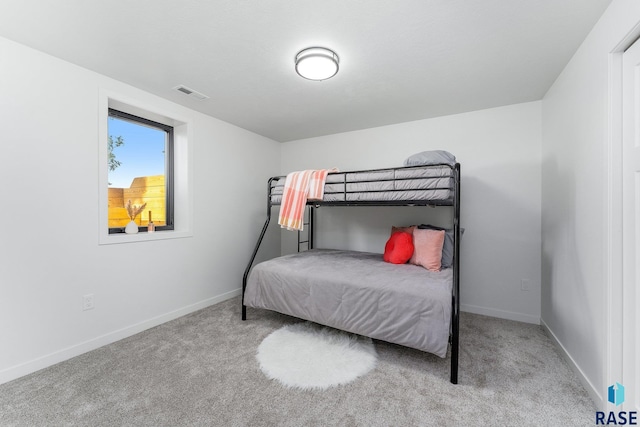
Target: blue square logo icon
point(616, 394)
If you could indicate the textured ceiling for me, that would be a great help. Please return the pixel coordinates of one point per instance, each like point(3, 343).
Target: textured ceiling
point(400, 60)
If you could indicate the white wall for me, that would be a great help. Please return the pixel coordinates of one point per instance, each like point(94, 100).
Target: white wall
point(499, 152)
point(575, 198)
point(49, 252)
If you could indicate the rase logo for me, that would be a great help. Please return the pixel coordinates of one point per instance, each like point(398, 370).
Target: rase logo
point(615, 396)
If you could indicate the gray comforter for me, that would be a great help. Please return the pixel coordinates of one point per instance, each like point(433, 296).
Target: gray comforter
point(360, 293)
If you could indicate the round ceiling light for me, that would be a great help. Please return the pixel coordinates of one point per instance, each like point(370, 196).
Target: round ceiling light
point(317, 63)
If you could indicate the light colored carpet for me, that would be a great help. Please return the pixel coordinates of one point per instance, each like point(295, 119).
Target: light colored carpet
point(307, 356)
point(201, 370)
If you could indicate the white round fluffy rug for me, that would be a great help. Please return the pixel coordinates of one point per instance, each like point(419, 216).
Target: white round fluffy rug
point(309, 356)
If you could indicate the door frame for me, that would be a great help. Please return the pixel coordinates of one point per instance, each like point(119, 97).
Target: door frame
point(614, 289)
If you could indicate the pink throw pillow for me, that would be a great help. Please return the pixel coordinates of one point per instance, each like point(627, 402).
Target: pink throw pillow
point(408, 229)
point(427, 248)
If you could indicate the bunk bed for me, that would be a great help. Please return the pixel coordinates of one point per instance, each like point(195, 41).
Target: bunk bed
point(356, 291)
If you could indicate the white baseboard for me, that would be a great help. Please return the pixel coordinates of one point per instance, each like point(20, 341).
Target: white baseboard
point(591, 390)
point(34, 365)
point(502, 314)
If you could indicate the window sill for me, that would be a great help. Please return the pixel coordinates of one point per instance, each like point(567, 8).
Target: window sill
point(112, 239)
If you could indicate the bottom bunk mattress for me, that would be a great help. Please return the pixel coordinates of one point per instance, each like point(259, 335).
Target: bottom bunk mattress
point(360, 293)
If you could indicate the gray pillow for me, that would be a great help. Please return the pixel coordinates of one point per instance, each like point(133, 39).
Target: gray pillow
point(447, 248)
point(434, 157)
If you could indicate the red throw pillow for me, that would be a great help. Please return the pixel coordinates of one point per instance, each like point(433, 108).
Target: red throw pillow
point(399, 248)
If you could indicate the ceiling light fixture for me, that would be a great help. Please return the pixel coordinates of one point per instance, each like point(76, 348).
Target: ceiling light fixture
point(317, 63)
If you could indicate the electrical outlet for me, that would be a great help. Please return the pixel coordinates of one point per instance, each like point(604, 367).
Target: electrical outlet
point(87, 302)
point(525, 285)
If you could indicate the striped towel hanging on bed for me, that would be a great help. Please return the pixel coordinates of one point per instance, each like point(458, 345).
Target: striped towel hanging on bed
point(298, 188)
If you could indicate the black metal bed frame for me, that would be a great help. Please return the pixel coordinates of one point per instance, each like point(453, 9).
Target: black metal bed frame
point(454, 337)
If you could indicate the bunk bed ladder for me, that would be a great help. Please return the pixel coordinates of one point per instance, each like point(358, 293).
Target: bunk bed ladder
point(309, 225)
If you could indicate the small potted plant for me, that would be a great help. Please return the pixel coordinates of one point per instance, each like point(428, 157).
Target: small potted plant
point(133, 211)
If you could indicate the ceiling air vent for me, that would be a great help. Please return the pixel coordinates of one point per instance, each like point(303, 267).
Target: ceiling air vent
point(191, 92)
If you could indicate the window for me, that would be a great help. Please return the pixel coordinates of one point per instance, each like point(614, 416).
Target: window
point(176, 124)
point(140, 173)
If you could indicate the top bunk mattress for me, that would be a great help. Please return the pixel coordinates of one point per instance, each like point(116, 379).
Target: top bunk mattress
point(360, 293)
point(429, 184)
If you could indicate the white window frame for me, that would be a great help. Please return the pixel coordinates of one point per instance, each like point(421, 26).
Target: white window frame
point(160, 111)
